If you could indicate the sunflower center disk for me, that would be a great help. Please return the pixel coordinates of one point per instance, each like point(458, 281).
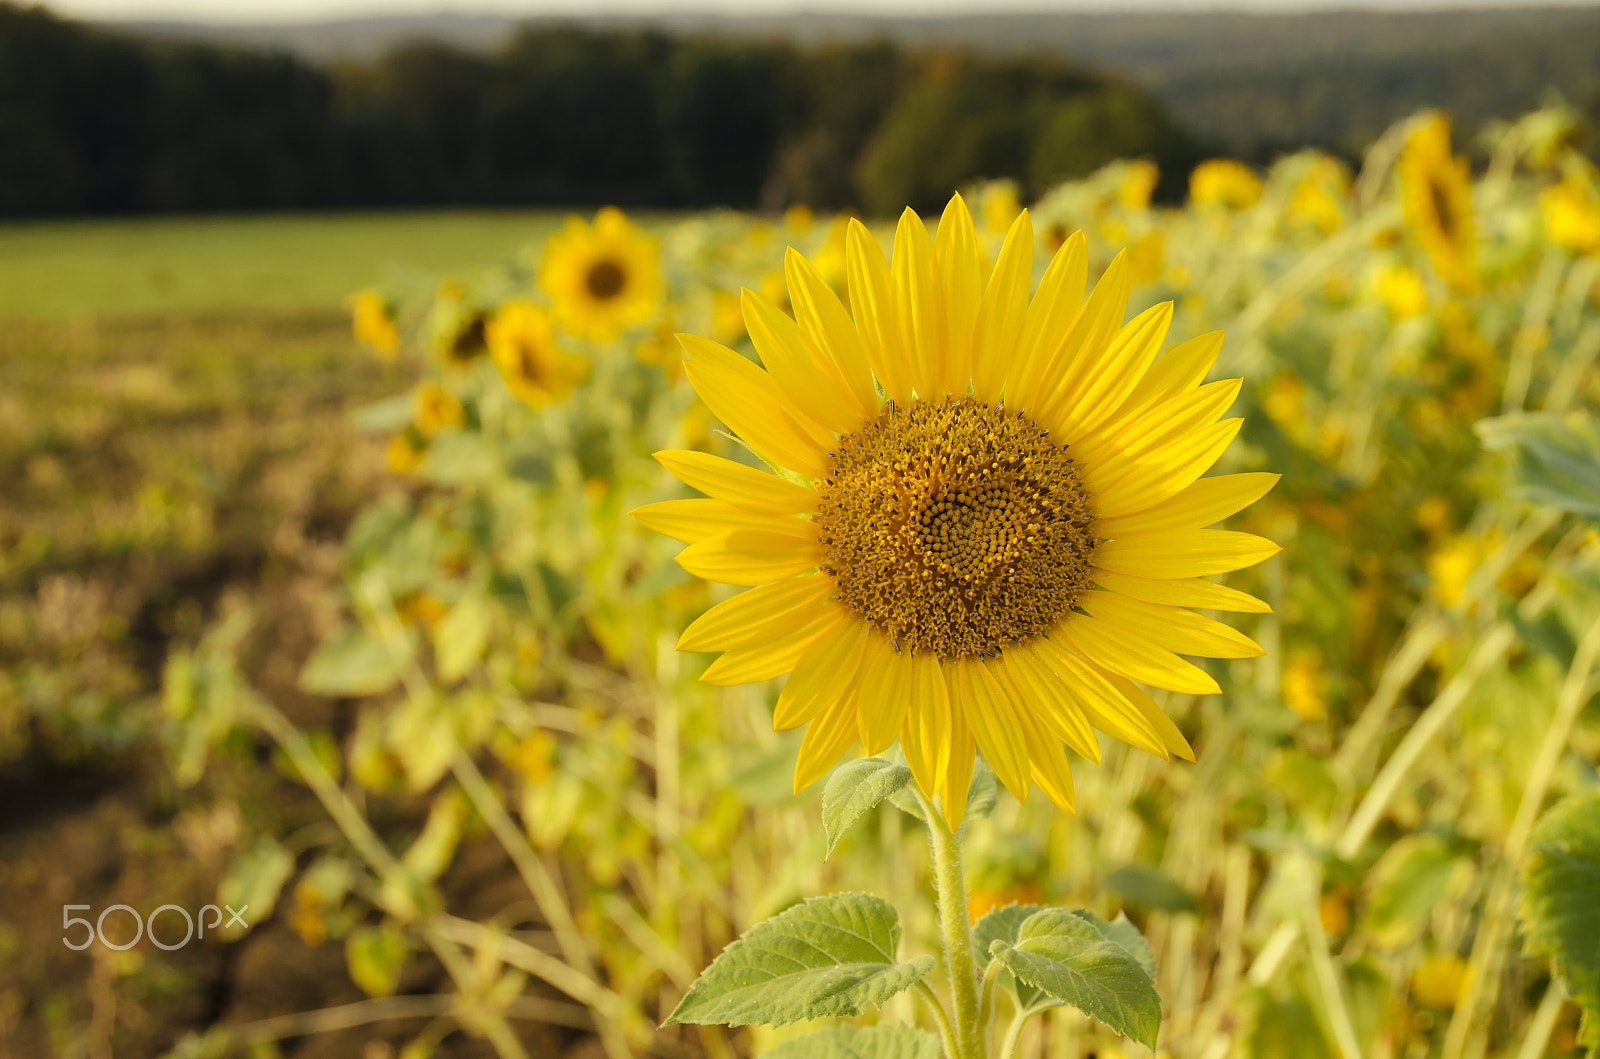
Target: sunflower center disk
point(605, 279)
point(955, 527)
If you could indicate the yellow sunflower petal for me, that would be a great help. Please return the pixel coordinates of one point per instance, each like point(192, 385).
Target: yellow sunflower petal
point(955, 252)
point(1165, 729)
point(1158, 478)
point(752, 557)
point(822, 675)
point(1083, 401)
point(922, 313)
point(1178, 630)
point(1049, 766)
point(1071, 361)
point(695, 520)
point(998, 330)
point(884, 694)
point(1134, 657)
point(963, 754)
point(1185, 553)
point(1182, 592)
point(1055, 305)
point(1106, 707)
point(925, 733)
point(744, 487)
point(1204, 502)
point(750, 402)
point(746, 665)
point(1050, 700)
point(1152, 438)
point(872, 303)
point(1182, 368)
point(826, 738)
point(768, 612)
point(824, 319)
point(785, 351)
point(997, 726)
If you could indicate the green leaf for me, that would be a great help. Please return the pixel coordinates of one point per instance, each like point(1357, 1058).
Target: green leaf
point(460, 637)
point(1560, 915)
point(827, 956)
point(1556, 457)
point(376, 956)
point(1074, 960)
point(354, 661)
point(853, 789)
point(255, 878)
point(1408, 882)
point(1148, 886)
point(1002, 925)
point(983, 794)
point(860, 1042)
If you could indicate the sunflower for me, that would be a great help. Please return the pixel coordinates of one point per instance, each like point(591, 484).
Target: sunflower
point(601, 277)
point(1436, 195)
point(988, 522)
point(372, 322)
point(1222, 180)
point(522, 341)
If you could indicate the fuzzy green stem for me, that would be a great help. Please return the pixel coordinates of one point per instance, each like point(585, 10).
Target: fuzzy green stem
point(971, 1037)
point(1013, 1037)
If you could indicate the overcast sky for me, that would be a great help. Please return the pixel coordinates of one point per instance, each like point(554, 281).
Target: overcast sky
point(325, 10)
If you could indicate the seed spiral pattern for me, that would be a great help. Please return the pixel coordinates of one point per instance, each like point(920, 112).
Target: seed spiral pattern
point(955, 526)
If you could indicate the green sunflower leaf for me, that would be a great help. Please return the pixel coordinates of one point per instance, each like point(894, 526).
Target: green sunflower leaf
point(1560, 915)
point(1082, 960)
point(854, 788)
point(860, 1042)
point(1000, 925)
point(1557, 457)
point(828, 956)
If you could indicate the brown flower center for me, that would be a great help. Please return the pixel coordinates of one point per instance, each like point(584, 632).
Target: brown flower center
point(956, 527)
point(605, 279)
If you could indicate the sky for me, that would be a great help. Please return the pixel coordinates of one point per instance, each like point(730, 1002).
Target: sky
point(289, 11)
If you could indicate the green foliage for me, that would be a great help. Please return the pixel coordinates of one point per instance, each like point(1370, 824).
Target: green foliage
point(826, 956)
point(376, 957)
point(855, 788)
point(1408, 882)
point(255, 879)
point(1102, 969)
point(1557, 458)
point(356, 661)
point(860, 1042)
point(1147, 886)
point(1559, 911)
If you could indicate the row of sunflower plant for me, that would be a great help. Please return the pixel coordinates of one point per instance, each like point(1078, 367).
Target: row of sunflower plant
point(965, 493)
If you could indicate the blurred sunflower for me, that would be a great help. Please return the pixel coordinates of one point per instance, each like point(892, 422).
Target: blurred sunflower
point(1222, 180)
point(522, 341)
point(372, 323)
point(1436, 196)
point(1571, 212)
point(601, 277)
point(989, 556)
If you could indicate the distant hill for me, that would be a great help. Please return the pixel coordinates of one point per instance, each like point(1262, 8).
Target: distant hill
point(1249, 83)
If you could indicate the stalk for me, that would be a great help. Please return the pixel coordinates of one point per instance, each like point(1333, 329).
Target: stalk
point(956, 931)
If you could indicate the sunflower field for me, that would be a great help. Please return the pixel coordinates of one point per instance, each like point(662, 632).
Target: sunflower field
point(1361, 817)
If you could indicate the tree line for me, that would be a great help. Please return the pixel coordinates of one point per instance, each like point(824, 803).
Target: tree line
point(96, 122)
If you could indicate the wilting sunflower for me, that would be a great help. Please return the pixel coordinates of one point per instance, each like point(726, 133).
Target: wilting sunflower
point(1436, 195)
point(601, 277)
point(988, 524)
point(522, 341)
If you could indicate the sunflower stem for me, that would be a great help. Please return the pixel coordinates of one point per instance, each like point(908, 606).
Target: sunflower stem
point(955, 928)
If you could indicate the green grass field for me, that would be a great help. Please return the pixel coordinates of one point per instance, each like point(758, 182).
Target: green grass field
point(60, 269)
